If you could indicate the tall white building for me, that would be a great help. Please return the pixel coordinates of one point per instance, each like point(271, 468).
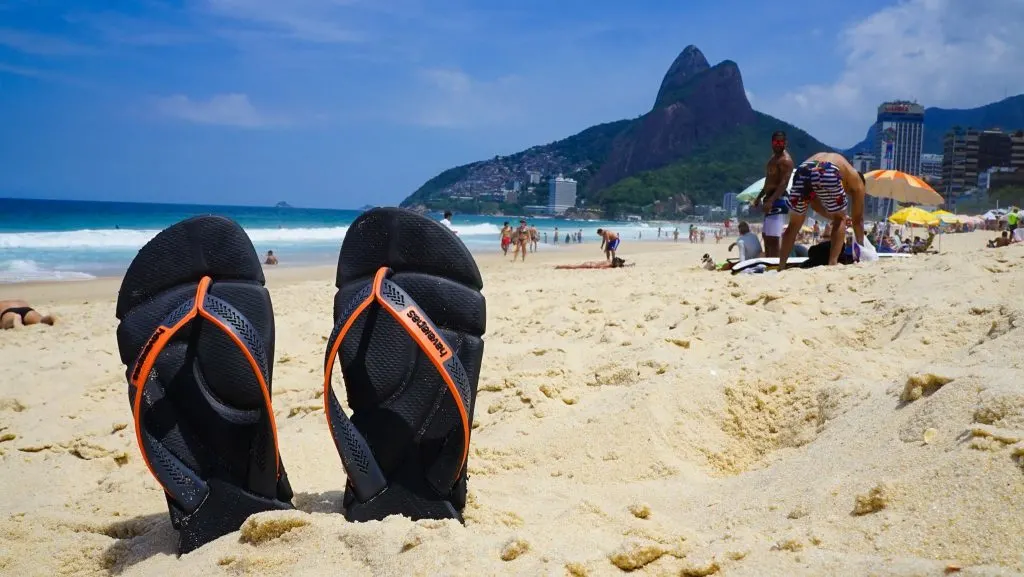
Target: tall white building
point(899, 136)
point(561, 195)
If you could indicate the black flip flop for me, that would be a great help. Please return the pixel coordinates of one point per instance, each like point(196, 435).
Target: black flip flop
point(409, 318)
point(197, 336)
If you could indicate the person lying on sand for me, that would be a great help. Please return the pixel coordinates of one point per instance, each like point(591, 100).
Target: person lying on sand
point(615, 263)
point(829, 184)
point(13, 311)
point(609, 243)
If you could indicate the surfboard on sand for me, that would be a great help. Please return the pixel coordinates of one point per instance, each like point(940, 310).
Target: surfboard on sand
point(770, 263)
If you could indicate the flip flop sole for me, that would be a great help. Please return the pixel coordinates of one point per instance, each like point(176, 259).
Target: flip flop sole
point(409, 321)
point(197, 338)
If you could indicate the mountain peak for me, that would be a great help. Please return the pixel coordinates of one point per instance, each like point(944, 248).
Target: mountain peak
point(685, 67)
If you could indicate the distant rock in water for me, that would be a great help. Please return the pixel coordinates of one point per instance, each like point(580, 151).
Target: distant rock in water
point(283, 204)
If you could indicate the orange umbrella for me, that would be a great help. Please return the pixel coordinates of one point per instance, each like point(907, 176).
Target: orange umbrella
point(901, 187)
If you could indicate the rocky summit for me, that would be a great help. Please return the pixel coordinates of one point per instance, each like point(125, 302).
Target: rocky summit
point(701, 138)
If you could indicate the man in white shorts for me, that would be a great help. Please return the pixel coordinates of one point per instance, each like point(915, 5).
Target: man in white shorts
point(773, 195)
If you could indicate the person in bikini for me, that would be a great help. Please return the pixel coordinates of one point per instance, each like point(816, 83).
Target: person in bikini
point(522, 239)
point(609, 243)
point(829, 184)
point(13, 310)
point(506, 238)
point(773, 196)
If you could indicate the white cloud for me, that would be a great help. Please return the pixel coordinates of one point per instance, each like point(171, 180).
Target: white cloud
point(946, 53)
point(451, 98)
point(222, 109)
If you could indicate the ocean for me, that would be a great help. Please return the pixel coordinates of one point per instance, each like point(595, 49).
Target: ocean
point(55, 240)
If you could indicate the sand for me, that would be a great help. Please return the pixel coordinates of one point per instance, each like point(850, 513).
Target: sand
point(658, 420)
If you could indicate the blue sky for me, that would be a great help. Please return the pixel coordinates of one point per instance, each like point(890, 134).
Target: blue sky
point(340, 103)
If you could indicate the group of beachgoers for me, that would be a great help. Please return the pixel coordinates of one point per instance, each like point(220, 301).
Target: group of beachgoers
point(825, 182)
point(526, 237)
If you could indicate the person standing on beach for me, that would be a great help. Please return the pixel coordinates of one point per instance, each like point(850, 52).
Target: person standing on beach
point(534, 238)
point(773, 196)
point(506, 238)
point(522, 239)
point(609, 243)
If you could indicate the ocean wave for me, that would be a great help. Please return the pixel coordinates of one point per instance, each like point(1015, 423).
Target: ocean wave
point(136, 238)
point(29, 270)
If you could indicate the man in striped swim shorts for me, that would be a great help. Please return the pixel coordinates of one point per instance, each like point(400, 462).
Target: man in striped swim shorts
point(827, 183)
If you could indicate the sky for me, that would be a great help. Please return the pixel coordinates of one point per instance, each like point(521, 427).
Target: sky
point(341, 103)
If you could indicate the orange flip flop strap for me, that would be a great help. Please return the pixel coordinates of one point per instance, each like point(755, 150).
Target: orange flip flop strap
point(423, 332)
point(177, 479)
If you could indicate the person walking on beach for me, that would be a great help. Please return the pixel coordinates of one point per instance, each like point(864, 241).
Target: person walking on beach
point(609, 243)
point(522, 240)
point(506, 238)
point(773, 196)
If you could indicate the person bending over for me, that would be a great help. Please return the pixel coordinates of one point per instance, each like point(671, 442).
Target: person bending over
point(609, 243)
point(827, 183)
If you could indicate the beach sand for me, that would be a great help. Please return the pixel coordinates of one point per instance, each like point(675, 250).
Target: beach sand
point(658, 420)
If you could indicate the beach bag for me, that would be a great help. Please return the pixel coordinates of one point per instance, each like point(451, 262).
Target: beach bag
point(866, 253)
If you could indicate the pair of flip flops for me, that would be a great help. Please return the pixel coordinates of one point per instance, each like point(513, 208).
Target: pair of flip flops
point(196, 333)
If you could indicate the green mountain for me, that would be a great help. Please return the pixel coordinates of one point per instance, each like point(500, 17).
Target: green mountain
point(700, 139)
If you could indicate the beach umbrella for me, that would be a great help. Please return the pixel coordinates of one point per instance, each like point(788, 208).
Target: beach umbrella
point(948, 217)
point(913, 215)
point(901, 187)
point(750, 193)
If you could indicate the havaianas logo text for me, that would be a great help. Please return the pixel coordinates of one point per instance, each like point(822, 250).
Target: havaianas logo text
point(424, 326)
point(145, 352)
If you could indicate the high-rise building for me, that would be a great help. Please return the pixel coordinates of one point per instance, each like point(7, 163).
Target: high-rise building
point(1017, 150)
point(729, 203)
point(562, 194)
point(969, 153)
point(899, 136)
point(931, 167)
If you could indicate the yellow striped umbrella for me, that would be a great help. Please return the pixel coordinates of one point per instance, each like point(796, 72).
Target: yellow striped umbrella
point(913, 215)
point(948, 217)
point(901, 187)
